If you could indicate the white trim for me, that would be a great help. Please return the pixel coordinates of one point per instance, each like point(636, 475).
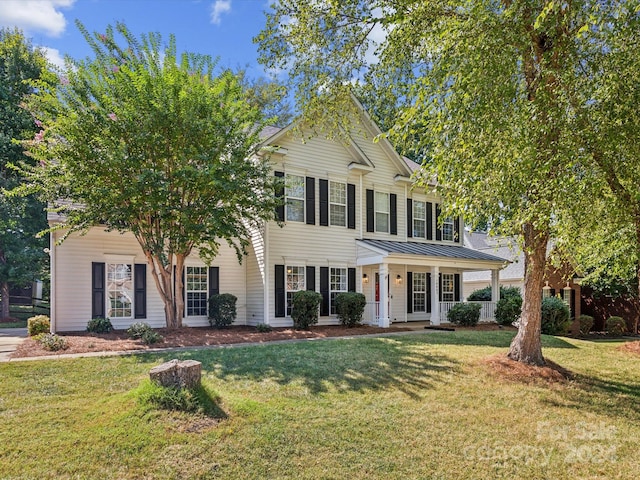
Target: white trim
point(52, 286)
point(114, 258)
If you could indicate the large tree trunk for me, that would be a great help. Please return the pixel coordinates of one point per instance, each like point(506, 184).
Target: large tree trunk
point(526, 346)
point(179, 296)
point(163, 278)
point(4, 296)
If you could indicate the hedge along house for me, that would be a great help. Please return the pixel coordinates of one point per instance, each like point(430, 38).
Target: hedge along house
point(350, 222)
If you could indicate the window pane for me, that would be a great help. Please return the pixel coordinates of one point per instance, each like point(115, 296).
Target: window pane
point(448, 287)
point(382, 222)
point(419, 210)
point(295, 282)
point(338, 193)
point(337, 214)
point(382, 202)
point(419, 228)
point(419, 292)
point(338, 283)
point(295, 210)
point(294, 186)
point(447, 229)
point(119, 288)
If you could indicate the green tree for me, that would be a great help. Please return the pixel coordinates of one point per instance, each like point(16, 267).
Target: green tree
point(138, 139)
point(489, 94)
point(22, 257)
point(269, 96)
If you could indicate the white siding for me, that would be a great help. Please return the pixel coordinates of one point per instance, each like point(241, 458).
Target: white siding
point(73, 279)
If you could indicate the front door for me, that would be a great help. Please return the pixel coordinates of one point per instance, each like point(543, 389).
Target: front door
point(377, 293)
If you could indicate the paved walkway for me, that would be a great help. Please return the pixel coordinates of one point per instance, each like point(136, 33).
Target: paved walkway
point(10, 338)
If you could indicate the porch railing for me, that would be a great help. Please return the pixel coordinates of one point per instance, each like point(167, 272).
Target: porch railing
point(488, 311)
point(372, 313)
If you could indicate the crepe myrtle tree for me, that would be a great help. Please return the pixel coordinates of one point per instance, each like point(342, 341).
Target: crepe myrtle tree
point(483, 91)
point(140, 139)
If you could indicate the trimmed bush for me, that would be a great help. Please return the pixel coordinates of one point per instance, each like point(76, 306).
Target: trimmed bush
point(555, 316)
point(465, 314)
point(38, 324)
point(99, 325)
point(484, 294)
point(350, 308)
point(616, 325)
point(508, 310)
point(138, 329)
point(304, 311)
point(586, 322)
point(264, 328)
point(150, 336)
point(222, 309)
point(52, 342)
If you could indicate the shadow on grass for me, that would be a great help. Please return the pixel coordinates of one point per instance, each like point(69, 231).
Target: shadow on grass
point(500, 339)
point(336, 365)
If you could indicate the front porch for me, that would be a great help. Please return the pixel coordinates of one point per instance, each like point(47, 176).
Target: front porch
point(419, 282)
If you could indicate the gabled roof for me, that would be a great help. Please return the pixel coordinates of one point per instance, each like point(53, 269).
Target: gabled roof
point(430, 250)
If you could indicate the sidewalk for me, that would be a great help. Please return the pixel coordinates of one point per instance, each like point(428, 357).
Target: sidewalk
point(10, 338)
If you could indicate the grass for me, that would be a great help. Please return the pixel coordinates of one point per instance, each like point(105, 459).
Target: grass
point(17, 324)
point(421, 406)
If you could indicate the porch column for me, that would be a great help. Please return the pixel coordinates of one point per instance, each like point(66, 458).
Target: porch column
point(495, 285)
point(384, 295)
point(435, 295)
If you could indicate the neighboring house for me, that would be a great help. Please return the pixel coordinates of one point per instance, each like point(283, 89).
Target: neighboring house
point(561, 281)
point(351, 223)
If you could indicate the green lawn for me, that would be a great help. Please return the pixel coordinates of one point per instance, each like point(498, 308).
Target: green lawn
point(420, 406)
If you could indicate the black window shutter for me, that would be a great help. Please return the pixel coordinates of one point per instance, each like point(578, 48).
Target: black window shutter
point(439, 287)
point(409, 291)
point(311, 278)
point(324, 202)
point(456, 230)
point(429, 221)
point(393, 208)
point(409, 219)
point(351, 279)
point(140, 287)
point(456, 284)
point(428, 293)
point(370, 211)
point(438, 226)
point(97, 290)
point(280, 195)
point(311, 200)
point(324, 291)
point(214, 280)
point(553, 292)
point(572, 304)
point(351, 206)
point(280, 304)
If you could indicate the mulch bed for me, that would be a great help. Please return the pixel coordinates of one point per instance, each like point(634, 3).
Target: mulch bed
point(503, 367)
point(83, 342)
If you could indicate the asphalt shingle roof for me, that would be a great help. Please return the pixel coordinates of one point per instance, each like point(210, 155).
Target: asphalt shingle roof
point(431, 250)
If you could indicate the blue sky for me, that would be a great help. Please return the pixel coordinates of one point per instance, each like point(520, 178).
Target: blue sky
point(220, 28)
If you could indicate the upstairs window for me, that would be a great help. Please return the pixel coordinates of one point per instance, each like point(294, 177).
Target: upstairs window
point(448, 229)
point(382, 212)
point(419, 219)
point(338, 204)
point(294, 191)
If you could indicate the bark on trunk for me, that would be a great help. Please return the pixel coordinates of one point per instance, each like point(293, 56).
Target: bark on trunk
point(4, 296)
point(526, 346)
point(179, 295)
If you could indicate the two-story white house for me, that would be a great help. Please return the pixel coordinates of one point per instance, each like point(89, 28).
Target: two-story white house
point(351, 222)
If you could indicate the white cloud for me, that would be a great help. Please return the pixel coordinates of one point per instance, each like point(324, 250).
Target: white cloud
point(218, 8)
point(35, 15)
point(54, 56)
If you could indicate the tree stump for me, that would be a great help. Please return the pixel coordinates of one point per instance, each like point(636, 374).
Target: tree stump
point(177, 374)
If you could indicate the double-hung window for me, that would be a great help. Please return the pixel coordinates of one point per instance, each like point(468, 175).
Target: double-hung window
point(197, 290)
point(447, 229)
point(119, 290)
point(382, 212)
point(338, 204)
point(448, 287)
point(337, 284)
point(294, 191)
point(419, 219)
point(295, 283)
point(419, 292)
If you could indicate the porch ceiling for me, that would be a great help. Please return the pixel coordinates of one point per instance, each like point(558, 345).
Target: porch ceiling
point(371, 252)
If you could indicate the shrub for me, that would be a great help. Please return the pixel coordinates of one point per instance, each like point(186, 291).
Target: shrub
point(304, 311)
point(150, 336)
point(263, 328)
point(38, 324)
point(586, 322)
point(222, 309)
point(616, 325)
point(99, 325)
point(484, 294)
point(350, 307)
point(555, 316)
point(138, 329)
point(508, 310)
point(52, 342)
point(465, 314)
